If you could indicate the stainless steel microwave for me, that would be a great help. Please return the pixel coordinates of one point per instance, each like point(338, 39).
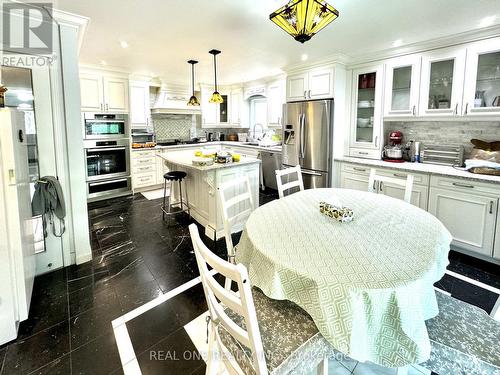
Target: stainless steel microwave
point(105, 126)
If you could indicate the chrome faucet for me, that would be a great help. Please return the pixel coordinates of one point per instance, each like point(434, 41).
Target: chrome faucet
point(261, 129)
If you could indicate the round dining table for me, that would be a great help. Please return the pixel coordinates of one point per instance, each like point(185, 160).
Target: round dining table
point(367, 284)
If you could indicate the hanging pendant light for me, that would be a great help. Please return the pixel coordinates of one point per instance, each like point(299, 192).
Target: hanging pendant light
point(216, 97)
point(193, 100)
point(304, 18)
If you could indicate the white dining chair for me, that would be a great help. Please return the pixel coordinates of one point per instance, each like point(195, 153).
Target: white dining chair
point(375, 183)
point(235, 317)
point(287, 173)
point(236, 204)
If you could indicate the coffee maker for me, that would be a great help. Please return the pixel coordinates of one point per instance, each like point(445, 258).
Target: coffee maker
point(393, 152)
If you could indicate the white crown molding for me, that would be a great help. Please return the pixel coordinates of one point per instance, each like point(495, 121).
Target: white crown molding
point(107, 69)
point(337, 58)
point(72, 20)
point(418, 47)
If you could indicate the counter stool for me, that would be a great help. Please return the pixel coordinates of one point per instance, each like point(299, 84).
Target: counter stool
point(184, 206)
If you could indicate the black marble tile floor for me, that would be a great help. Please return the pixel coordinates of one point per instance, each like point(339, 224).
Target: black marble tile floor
point(136, 258)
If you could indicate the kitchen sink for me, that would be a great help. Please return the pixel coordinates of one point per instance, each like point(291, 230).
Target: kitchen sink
point(251, 143)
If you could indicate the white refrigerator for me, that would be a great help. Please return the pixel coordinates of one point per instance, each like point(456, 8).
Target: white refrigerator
point(17, 252)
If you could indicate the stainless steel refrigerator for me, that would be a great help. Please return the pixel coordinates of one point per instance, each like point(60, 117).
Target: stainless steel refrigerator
point(307, 140)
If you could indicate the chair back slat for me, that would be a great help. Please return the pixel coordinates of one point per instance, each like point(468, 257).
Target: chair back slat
point(237, 204)
point(287, 172)
point(375, 180)
point(241, 303)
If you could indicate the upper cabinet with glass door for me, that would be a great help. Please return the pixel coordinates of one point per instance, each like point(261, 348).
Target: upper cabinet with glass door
point(442, 82)
point(402, 86)
point(482, 79)
point(366, 113)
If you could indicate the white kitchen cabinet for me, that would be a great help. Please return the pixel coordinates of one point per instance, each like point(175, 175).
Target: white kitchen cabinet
point(353, 181)
point(102, 92)
point(92, 92)
point(313, 84)
point(297, 86)
point(482, 79)
point(320, 84)
point(402, 86)
point(275, 101)
point(356, 177)
point(115, 94)
point(442, 82)
point(140, 111)
point(228, 114)
point(144, 169)
point(468, 210)
point(366, 110)
point(236, 107)
point(419, 194)
point(496, 248)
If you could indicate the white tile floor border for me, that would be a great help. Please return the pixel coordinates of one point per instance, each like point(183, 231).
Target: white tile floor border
point(196, 329)
point(123, 342)
point(154, 194)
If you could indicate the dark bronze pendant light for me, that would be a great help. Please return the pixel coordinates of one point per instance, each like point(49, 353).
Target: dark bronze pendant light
point(216, 97)
point(304, 18)
point(193, 100)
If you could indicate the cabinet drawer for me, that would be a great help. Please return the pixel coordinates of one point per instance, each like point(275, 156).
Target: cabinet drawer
point(144, 161)
point(138, 169)
point(143, 154)
point(419, 178)
point(145, 179)
point(364, 153)
point(358, 169)
point(465, 185)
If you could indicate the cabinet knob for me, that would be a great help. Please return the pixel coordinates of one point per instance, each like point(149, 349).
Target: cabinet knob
point(305, 94)
point(414, 110)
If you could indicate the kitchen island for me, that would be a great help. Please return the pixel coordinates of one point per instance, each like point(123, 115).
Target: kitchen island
point(202, 183)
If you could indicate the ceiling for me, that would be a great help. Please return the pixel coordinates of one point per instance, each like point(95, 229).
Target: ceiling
point(163, 35)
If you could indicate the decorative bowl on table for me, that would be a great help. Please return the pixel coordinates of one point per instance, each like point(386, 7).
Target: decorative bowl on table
point(202, 162)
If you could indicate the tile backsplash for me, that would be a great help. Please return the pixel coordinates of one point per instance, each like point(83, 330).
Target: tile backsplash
point(446, 132)
point(169, 127)
point(184, 127)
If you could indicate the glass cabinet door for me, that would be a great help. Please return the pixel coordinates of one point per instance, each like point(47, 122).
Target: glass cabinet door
point(403, 76)
point(223, 107)
point(366, 108)
point(442, 82)
point(482, 86)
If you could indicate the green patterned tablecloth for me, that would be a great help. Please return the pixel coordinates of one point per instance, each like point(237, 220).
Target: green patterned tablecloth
point(367, 284)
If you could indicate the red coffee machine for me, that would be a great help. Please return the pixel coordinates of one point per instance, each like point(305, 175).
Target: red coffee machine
point(393, 152)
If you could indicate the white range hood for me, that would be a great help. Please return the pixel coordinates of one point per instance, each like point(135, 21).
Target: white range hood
point(173, 102)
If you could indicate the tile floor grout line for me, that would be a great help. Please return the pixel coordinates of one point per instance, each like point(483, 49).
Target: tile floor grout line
point(69, 326)
point(474, 282)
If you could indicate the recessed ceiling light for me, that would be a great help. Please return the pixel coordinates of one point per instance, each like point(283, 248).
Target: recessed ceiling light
point(104, 63)
point(304, 57)
point(123, 43)
point(487, 21)
point(397, 43)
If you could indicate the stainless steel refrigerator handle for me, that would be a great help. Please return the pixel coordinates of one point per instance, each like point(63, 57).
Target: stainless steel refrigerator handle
point(311, 173)
point(302, 134)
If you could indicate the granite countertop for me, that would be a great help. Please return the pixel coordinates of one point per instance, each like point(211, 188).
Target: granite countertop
point(212, 144)
point(185, 158)
point(424, 168)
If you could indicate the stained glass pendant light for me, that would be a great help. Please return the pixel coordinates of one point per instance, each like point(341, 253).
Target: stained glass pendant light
point(216, 97)
point(304, 18)
point(193, 100)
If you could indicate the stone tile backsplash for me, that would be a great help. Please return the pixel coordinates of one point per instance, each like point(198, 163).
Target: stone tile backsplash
point(446, 132)
point(184, 127)
point(169, 127)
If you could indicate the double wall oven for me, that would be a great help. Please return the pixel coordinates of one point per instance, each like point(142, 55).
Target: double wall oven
point(107, 155)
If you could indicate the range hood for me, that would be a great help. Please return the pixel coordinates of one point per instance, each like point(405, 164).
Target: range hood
point(173, 102)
